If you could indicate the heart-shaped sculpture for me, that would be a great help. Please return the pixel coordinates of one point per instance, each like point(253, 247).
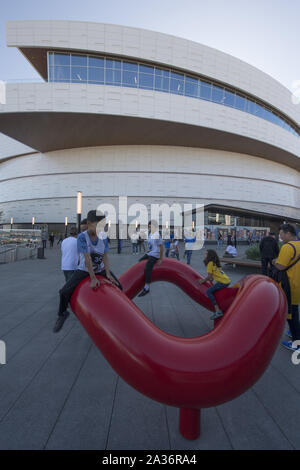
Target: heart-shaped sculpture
point(189, 373)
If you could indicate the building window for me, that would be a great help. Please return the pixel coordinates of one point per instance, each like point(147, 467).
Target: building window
point(80, 68)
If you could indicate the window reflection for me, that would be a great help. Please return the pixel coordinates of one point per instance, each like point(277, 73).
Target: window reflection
point(217, 94)
point(240, 102)
point(114, 64)
point(146, 69)
point(96, 62)
point(129, 78)
point(78, 74)
point(80, 68)
point(79, 60)
point(146, 81)
point(112, 77)
point(205, 91)
point(191, 87)
point(177, 83)
point(250, 107)
point(130, 66)
point(62, 73)
point(62, 59)
point(96, 75)
point(259, 110)
point(162, 80)
point(51, 74)
point(229, 98)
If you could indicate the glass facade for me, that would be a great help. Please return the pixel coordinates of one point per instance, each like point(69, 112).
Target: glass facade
point(217, 218)
point(78, 68)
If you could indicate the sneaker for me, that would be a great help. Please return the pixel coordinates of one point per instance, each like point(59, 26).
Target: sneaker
point(216, 315)
point(289, 345)
point(144, 292)
point(60, 321)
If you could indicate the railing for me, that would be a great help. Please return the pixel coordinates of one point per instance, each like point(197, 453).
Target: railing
point(126, 246)
point(17, 253)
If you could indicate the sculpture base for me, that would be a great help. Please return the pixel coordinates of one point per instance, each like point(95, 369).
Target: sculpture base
point(189, 423)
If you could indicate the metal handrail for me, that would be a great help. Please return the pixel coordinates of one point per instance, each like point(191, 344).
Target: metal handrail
point(6, 251)
point(4, 258)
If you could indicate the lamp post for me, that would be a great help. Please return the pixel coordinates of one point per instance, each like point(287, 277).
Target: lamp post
point(11, 223)
point(79, 209)
point(66, 227)
point(235, 231)
point(33, 220)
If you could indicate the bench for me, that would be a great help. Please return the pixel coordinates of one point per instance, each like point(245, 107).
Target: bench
point(241, 262)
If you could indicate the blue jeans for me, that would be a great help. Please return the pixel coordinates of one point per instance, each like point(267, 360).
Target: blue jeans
point(214, 288)
point(188, 256)
point(135, 248)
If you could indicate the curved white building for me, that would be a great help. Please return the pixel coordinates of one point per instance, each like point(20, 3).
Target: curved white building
point(124, 111)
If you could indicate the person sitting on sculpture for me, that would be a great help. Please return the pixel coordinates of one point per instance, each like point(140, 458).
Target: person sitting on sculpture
point(154, 255)
point(214, 273)
point(93, 259)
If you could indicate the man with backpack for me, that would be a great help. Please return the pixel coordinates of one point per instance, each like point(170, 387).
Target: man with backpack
point(288, 262)
point(268, 251)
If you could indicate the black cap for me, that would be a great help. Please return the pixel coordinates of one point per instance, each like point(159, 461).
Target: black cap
point(94, 217)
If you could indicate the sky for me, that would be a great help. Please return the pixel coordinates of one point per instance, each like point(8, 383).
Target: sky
point(263, 33)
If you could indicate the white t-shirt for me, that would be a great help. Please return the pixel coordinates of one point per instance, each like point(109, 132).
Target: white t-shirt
point(231, 250)
point(96, 249)
point(154, 242)
point(189, 242)
point(134, 237)
point(69, 259)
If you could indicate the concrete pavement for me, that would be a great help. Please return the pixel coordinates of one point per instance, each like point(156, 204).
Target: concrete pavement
point(58, 392)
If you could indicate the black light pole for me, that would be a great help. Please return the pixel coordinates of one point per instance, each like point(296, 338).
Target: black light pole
point(118, 237)
point(235, 241)
point(79, 209)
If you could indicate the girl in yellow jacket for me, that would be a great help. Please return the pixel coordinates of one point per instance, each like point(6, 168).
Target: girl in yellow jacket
point(214, 273)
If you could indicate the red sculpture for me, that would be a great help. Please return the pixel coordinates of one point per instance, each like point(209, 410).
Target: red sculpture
point(189, 373)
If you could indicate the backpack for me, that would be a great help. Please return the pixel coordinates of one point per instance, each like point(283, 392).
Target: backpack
point(281, 277)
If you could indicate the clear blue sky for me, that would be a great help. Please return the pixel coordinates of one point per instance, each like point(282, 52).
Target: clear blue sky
point(264, 33)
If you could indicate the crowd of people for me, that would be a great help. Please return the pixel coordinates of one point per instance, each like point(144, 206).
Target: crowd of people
point(86, 255)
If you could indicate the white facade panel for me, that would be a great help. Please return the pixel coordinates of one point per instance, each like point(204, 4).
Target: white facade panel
point(83, 98)
point(148, 173)
point(10, 147)
point(153, 46)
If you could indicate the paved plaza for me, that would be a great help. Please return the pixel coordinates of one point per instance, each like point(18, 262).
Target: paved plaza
point(58, 392)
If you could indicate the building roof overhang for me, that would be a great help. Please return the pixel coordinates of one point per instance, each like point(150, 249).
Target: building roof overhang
point(50, 131)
